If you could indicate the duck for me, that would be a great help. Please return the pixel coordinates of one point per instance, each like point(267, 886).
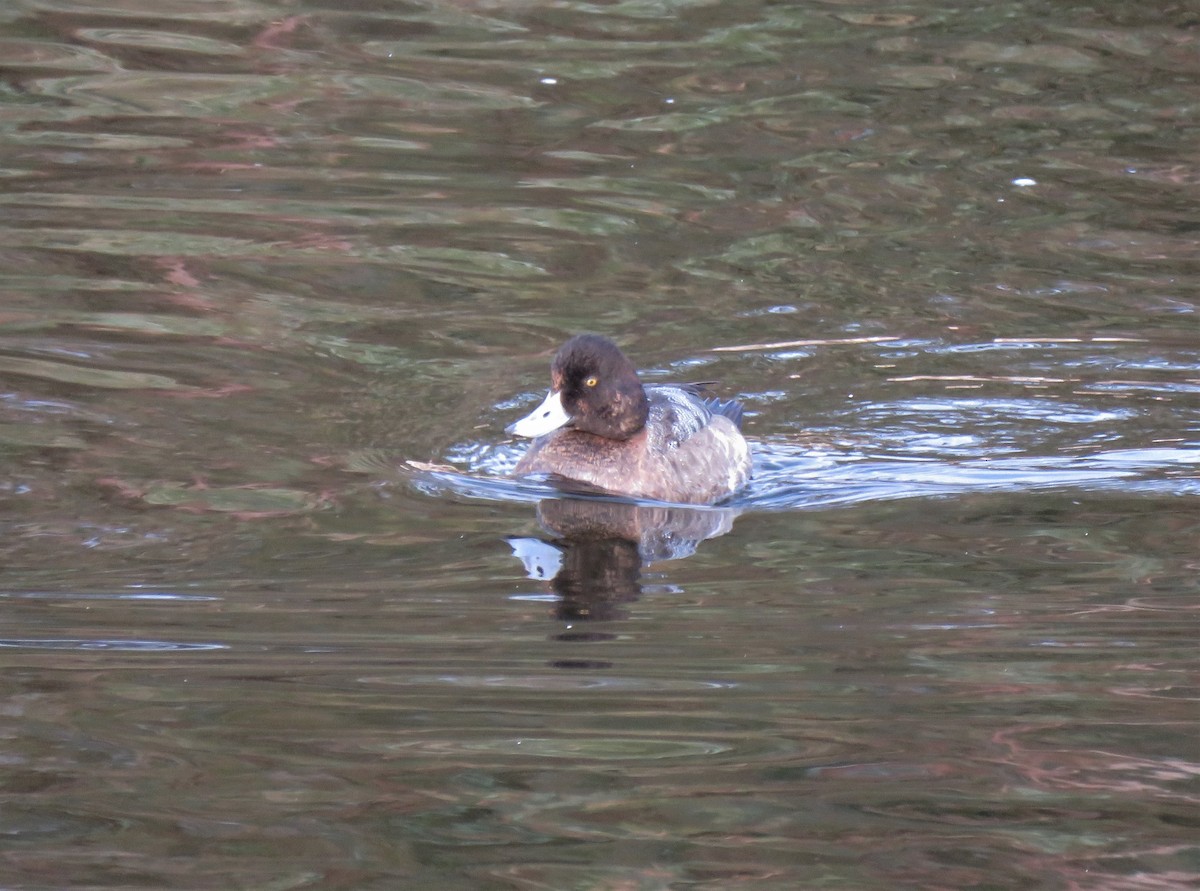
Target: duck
point(600, 427)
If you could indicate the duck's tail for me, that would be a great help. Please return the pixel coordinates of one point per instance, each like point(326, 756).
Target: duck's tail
point(730, 408)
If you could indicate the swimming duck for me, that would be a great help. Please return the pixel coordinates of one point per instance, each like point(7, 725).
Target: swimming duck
point(601, 427)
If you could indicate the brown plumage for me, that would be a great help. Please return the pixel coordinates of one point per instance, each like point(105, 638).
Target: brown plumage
point(601, 427)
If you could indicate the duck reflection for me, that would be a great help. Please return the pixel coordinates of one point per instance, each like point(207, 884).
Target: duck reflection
point(599, 547)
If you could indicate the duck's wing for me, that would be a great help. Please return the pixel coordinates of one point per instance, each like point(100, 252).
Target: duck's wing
point(699, 391)
point(698, 454)
point(676, 414)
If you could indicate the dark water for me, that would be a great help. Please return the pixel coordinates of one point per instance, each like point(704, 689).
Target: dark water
point(274, 277)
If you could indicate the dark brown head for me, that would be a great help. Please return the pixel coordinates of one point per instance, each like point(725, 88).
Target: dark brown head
point(593, 388)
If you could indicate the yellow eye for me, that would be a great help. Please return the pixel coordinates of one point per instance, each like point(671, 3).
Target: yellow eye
point(592, 381)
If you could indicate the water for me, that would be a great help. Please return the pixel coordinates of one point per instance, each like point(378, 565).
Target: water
point(276, 276)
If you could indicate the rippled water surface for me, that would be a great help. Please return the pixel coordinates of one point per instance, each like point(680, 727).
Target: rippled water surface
point(274, 276)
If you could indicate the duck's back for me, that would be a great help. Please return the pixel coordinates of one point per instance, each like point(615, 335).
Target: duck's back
point(690, 451)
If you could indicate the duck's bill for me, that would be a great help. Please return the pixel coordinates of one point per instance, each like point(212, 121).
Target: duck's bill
point(547, 417)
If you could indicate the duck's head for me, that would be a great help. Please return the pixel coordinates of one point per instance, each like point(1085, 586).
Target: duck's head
point(593, 388)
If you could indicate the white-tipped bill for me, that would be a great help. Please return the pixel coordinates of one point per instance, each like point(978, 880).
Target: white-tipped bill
point(545, 418)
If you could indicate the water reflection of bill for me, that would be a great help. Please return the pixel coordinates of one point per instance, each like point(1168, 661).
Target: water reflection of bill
point(598, 547)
